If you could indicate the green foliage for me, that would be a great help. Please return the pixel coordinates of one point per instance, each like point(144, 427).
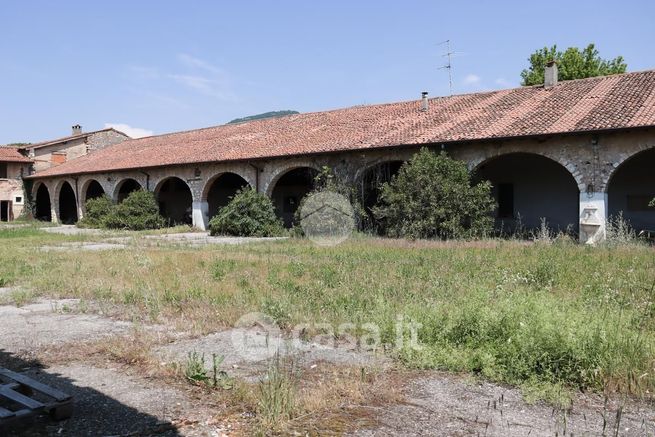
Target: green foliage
point(652, 203)
point(271, 114)
point(196, 373)
point(277, 394)
point(139, 211)
point(573, 63)
point(29, 204)
point(96, 211)
point(432, 196)
point(249, 214)
point(327, 181)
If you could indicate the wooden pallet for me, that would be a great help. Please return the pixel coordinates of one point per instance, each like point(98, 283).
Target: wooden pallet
point(18, 391)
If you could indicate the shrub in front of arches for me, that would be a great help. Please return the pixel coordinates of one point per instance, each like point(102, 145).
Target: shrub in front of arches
point(433, 196)
point(97, 210)
point(139, 211)
point(248, 214)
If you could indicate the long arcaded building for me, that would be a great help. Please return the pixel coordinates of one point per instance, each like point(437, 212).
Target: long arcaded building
point(572, 153)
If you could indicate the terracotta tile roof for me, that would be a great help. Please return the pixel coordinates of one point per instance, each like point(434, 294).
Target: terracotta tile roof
point(66, 139)
point(11, 154)
point(602, 103)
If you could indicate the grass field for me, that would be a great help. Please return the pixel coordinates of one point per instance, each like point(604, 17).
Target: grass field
point(546, 317)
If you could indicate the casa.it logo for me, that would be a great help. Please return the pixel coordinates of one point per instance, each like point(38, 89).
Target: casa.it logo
point(327, 218)
point(256, 337)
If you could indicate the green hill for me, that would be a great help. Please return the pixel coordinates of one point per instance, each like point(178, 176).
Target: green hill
point(270, 114)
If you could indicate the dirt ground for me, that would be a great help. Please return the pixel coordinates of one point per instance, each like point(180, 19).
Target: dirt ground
point(120, 400)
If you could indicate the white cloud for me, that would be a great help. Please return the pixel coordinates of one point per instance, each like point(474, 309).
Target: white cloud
point(134, 132)
point(472, 79)
point(190, 72)
point(204, 77)
point(193, 62)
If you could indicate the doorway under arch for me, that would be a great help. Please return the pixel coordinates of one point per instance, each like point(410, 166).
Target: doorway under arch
point(528, 188)
point(43, 207)
point(220, 191)
point(67, 204)
point(289, 191)
point(125, 187)
point(631, 189)
point(175, 201)
point(369, 185)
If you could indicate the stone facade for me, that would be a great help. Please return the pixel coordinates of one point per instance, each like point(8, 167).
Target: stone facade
point(589, 159)
point(12, 195)
point(46, 155)
point(55, 153)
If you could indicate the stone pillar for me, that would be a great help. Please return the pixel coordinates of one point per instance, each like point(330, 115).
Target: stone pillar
point(593, 217)
point(54, 211)
point(200, 215)
point(80, 210)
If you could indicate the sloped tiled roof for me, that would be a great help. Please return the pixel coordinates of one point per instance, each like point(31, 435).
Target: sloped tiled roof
point(11, 154)
point(68, 138)
point(594, 104)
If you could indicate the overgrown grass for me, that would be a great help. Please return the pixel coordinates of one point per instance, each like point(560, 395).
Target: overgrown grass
point(547, 317)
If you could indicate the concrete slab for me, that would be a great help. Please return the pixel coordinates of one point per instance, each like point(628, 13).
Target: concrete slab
point(203, 238)
point(445, 405)
point(242, 360)
point(49, 322)
point(71, 230)
point(65, 247)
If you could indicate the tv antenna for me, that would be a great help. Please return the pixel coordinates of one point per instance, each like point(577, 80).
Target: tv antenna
point(449, 65)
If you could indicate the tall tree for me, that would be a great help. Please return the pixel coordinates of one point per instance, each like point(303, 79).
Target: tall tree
point(573, 63)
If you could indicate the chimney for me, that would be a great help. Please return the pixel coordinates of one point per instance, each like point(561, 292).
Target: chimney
point(550, 74)
point(77, 129)
point(424, 101)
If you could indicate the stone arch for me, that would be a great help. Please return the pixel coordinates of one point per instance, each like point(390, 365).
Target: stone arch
point(67, 203)
point(124, 187)
point(220, 188)
point(287, 188)
point(475, 163)
point(42, 202)
point(622, 158)
point(631, 187)
point(91, 189)
point(175, 200)
point(280, 171)
point(529, 187)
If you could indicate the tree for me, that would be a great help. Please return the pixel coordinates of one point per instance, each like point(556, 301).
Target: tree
point(433, 196)
point(248, 214)
point(573, 63)
point(139, 211)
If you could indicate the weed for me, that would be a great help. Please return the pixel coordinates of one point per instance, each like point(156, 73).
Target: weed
point(277, 395)
point(196, 372)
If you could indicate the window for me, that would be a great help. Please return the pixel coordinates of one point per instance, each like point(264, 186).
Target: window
point(505, 200)
point(19, 200)
point(640, 202)
point(3, 170)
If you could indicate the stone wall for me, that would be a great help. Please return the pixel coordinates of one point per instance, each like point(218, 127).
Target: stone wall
point(11, 188)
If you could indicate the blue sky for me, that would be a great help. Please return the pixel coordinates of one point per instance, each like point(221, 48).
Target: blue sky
point(163, 66)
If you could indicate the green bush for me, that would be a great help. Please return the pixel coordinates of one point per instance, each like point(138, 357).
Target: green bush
point(96, 211)
point(139, 211)
point(249, 214)
point(326, 181)
point(432, 196)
